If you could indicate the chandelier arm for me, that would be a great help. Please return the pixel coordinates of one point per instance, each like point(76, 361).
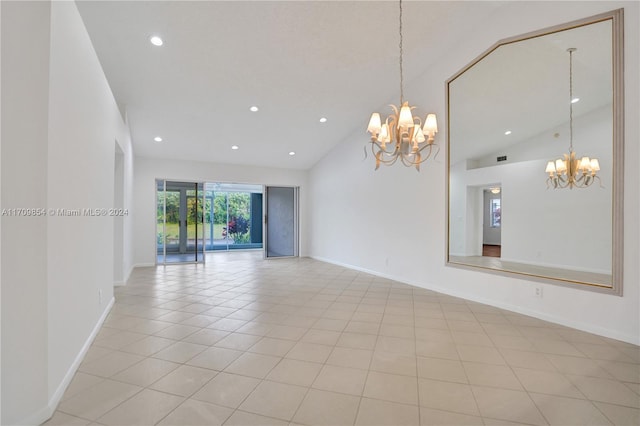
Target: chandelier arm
point(418, 154)
point(380, 149)
point(431, 146)
point(379, 155)
point(406, 161)
point(390, 162)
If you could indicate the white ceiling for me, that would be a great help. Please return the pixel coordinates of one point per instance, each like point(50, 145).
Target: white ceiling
point(297, 61)
point(524, 87)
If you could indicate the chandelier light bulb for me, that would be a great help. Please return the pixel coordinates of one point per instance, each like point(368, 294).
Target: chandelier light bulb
point(406, 119)
point(418, 136)
point(374, 124)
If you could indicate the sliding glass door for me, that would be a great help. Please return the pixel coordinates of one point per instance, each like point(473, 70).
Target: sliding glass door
point(180, 226)
point(236, 216)
point(195, 217)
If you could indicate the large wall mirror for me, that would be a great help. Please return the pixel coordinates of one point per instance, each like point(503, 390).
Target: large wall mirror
point(509, 114)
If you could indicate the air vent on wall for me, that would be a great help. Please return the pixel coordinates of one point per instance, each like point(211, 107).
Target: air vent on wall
point(502, 158)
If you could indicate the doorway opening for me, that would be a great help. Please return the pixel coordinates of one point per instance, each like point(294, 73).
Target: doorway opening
point(492, 222)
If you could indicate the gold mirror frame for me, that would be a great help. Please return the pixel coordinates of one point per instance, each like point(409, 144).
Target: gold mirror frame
point(617, 173)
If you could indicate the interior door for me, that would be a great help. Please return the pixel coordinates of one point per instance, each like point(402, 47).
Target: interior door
point(281, 221)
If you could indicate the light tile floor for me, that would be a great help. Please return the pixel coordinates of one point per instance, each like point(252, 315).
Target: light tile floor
point(243, 341)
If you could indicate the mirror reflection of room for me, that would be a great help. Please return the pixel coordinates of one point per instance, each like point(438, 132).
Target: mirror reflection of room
point(509, 116)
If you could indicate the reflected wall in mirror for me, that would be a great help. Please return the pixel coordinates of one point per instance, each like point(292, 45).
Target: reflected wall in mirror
point(508, 116)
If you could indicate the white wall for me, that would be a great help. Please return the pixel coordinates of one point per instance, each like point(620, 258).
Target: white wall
point(57, 154)
point(394, 218)
point(84, 123)
point(25, 83)
point(147, 170)
point(0, 220)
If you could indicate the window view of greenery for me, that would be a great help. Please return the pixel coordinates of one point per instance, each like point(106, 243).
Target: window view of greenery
point(230, 211)
point(234, 223)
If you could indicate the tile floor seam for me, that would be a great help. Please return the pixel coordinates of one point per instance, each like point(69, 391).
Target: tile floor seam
point(604, 414)
point(365, 383)
point(170, 412)
point(116, 406)
point(528, 393)
point(415, 354)
point(466, 375)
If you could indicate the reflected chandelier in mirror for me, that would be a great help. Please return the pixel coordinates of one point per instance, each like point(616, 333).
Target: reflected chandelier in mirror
point(507, 115)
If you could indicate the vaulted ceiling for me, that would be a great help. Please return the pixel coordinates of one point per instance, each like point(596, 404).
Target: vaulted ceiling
point(297, 61)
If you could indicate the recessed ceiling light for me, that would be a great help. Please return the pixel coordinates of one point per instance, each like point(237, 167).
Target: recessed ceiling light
point(253, 108)
point(235, 147)
point(508, 132)
point(574, 100)
point(156, 41)
point(323, 120)
point(157, 139)
point(292, 153)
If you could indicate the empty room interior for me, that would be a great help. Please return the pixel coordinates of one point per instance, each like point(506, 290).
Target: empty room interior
point(320, 213)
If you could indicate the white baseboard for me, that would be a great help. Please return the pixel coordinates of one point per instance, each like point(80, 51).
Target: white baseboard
point(590, 328)
point(38, 417)
point(46, 412)
point(128, 275)
point(557, 266)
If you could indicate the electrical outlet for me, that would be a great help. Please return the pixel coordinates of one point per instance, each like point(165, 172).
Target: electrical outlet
point(539, 292)
point(100, 296)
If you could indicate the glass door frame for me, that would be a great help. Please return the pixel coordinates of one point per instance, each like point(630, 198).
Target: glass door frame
point(199, 187)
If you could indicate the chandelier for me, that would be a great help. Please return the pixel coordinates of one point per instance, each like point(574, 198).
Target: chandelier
point(402, 135)
point(571, 172)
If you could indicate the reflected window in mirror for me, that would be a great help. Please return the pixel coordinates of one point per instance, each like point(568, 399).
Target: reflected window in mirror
point(495, 213)
point(509, 114)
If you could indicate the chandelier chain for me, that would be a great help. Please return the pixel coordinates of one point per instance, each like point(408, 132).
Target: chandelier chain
point(570, 100)
point(400, 58)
